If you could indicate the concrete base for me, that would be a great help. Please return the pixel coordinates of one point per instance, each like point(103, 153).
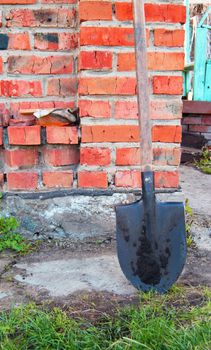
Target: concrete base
point(64, 277)
point(69, 216)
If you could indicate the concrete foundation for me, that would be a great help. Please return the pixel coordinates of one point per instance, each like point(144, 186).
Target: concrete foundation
point(65, 215)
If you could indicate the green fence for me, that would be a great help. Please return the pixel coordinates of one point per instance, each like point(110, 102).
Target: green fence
point(197, 73)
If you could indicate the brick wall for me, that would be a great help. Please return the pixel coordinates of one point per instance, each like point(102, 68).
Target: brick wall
point(66, 54)
point(195, 125)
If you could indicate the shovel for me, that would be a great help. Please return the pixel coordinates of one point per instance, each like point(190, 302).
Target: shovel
point(151, 236)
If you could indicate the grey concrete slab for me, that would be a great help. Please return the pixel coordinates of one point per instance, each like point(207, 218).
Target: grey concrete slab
point(196, 186)
point(4, 261)
point(63, 277)
point(3, 295)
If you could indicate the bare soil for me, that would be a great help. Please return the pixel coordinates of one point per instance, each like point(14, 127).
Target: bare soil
point(91, 301)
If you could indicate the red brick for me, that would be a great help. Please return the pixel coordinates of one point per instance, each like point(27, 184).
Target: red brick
point(167, 156)
point(55, 41)
point(191, 120)
point(167, 179)
point(20, 88)
point(105, 36)
point(59, 1)
point(110, 133)
point(2, 107)
point(154, 12)
point(40, 65)
point(166, 61)
point(92, 179)
point(128, 178)
point(128, 156)
point(21, 157)
point(170, 38)
point(19, 41)
point(68, 41)
point(46, 41)
point(1, 65)
point(24, 135)
point(1, 136)
point(96, 10)
point(206, 120)
point(57, 179)
point(167, 133)
point(62, 87)
point(17, 2)
point(126, 110)
point(22, 181)
point(132, 178)
point(55, 17)
point(125, 86)
point(159, 109)
point(126, 61)
point(156, 61)
point(95, 60)
point(169, 85)
point(62, 135)
point(95, 156)
point(162, 156)
point(107, 86)
point(98, 109)
point(200, 128)
point(16, 106)
point(165, 109)
point(168, 13)
point(1, 180)
point(124, 11)
point(61, 156)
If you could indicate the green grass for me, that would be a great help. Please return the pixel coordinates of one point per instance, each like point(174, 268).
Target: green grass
point(156, 324)
point(188, 223)
point(204, 163)
point(9, 237)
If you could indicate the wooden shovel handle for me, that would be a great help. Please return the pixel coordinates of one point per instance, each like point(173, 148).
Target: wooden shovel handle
point(142, 85)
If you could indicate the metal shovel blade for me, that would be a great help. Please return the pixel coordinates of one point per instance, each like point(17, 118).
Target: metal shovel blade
point(146, 266)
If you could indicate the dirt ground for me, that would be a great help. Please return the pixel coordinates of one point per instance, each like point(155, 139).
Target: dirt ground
point(77, 275)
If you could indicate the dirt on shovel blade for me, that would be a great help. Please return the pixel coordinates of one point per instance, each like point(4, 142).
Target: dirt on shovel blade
point(148, 267)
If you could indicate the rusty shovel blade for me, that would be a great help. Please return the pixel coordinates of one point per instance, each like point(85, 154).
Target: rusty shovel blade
point(151, 264)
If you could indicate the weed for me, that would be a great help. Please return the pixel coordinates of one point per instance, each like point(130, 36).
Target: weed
point(155, 325)
point(188, 222)
point(9, 237)
point(204, 163)
point(189, 240)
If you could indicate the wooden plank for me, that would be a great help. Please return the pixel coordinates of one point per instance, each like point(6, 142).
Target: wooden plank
point(196, 107)
point(187, 33)
point(200, 64)
point(207, 92)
